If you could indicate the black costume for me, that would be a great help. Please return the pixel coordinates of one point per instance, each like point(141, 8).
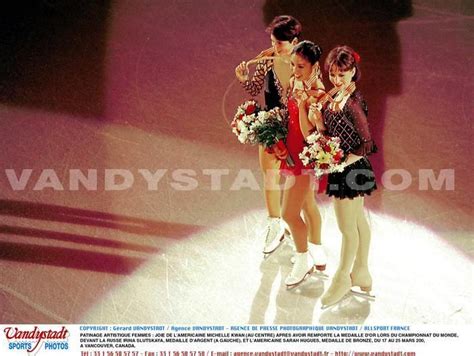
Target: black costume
point(265, 76)
point(350, 125)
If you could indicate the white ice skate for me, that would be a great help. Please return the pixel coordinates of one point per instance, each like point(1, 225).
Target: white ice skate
point(274, 236)
point(302, 269)
point(318, 254)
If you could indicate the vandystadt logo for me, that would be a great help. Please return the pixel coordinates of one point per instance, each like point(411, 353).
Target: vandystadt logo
point(30, 340)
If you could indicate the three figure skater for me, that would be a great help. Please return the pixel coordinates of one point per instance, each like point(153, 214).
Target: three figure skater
point(290, 76)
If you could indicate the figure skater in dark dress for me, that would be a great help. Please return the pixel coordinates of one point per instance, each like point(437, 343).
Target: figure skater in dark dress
point(345, 116)
point(272, 73)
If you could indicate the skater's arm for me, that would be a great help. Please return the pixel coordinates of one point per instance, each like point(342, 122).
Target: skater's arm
point(253, 86)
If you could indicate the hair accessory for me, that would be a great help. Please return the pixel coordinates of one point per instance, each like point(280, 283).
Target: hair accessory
point(356, 56)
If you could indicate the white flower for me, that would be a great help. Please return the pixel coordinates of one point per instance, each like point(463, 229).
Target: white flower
point(339, 167)
point(262, 116)
point(241, 126)
point(248, 118)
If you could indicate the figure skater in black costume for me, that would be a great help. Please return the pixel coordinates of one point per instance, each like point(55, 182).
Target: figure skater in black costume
point(345, 116)
point(273, 73)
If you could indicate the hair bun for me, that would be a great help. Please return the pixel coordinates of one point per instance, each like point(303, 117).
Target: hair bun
point(318, 50)
point(312, 52)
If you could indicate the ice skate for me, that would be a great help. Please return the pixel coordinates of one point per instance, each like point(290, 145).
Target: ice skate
point(340, 286)
point(302, 269)
point(364, 294)
point(361, 278)
point(274, 236)
point(318, 254)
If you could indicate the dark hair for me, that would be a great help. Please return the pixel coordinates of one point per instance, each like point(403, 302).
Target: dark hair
point(285, 28)
point(309, 51)
point(344, 58)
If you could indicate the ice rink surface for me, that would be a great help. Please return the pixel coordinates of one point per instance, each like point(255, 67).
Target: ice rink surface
point(141, 86)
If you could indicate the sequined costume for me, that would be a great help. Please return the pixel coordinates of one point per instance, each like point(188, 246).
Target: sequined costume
point(265, 77)
point(294, 141)
point(351, 126)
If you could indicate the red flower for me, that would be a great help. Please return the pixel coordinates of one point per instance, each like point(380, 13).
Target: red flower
point(338, 156)
point(250, 109)
point(356, 57)
point(324, 166)
point(327, 148)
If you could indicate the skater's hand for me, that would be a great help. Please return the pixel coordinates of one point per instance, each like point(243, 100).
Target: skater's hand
point(315, 117)
point(280, 153)
point(366, 148)
point(300, 97)
point(241, 72)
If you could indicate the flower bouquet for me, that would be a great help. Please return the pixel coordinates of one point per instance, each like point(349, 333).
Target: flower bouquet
point(273, 130)
point(323, 154)
point(246, 122)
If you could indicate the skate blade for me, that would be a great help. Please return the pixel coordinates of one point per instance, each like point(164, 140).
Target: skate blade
point(366, 295)
point(306, 276)
point(266, 255)
point(320, 274)
point(327, 306)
